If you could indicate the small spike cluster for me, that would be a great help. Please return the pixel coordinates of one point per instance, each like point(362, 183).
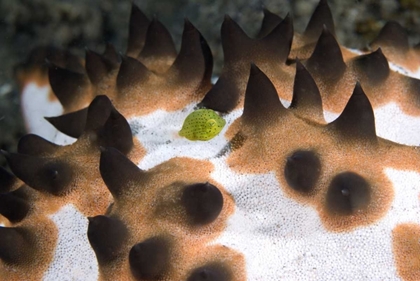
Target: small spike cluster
point(304, 174)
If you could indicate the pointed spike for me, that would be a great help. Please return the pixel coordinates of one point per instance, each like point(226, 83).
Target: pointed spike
point(14, 205)
point(326, 61)
point(321, 17)
point(195, 54)
point(67, 85)
point(372, 67)
point(96, 67)
point(106, 236)
point(49, 175)
point(357, 121)
point(98, 113)
point(159, 42)
point(270, 21)
point(261, 100)
point(116, 133)
point(118, 172)
point(235, 42)
point(137, 31)
point(16, 245)
point(71, 124)
point(131, 74)
point(35, 145)
point(8, 181)
point(392, 35)
point(278, 43)
point(111, 56)
point(223, 96)
point(306, 97)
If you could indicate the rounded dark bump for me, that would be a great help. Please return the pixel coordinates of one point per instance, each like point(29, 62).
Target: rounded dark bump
point(212, 272)
point(302, 171)
point(106, 236)
point(14, 205)
point(203, 203)
point(149, 260)
point(348, 194)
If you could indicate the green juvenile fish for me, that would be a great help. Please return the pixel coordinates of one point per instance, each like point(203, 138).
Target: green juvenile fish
point(202, 124)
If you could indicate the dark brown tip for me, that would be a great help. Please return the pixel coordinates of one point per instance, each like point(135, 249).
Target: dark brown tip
point(98, 66)
point(131, 74)
point(118, 172)
point(71, 124)
point(392, 35)
point(326, 62)
point(116, 133)
point(211, 272)
point(106, 236)
point(14, 205)
point(158, 43)
point(150, 259)
point(35, 145)
point(67, 85)
point(270, 21)
point(357, 121)
point(277, 44)
point(348, 194)
point(137, 31)
point(16, 245)
point(372, 68)
point(195, 60)
point(7, 180)
point(235, 42)
point(306, 97)
point(261, 100)
point(203, 203)
point(49, 175)
point(321, 17)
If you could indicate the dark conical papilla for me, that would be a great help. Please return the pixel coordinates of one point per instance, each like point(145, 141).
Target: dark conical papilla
point(357, 121)
point(97, 66)
point(14, 205)
point(203, 203)
point(326, 62)
point(35, 145)
point(106, 236)
point(348, 194)
point(270, 21)
point(306, 97)
point(132, 73)
point(211, 272)
point(392, 35)
point(240, 50)
point(137, 31)
point(44, 174)
point(16, 245)
point(117, 171)
point(158, 43)
point(302, 171)
point(67, 85)
point(321, 17)
point(261, 100)
point(372, 68)
point(195, 54)
point(71, 124)
point(149, 260)
point(116, 133)
point(8, 181)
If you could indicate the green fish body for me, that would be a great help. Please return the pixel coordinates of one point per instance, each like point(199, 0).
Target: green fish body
point(202, 124)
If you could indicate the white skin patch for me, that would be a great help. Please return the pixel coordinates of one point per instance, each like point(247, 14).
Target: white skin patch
point(74, 258)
